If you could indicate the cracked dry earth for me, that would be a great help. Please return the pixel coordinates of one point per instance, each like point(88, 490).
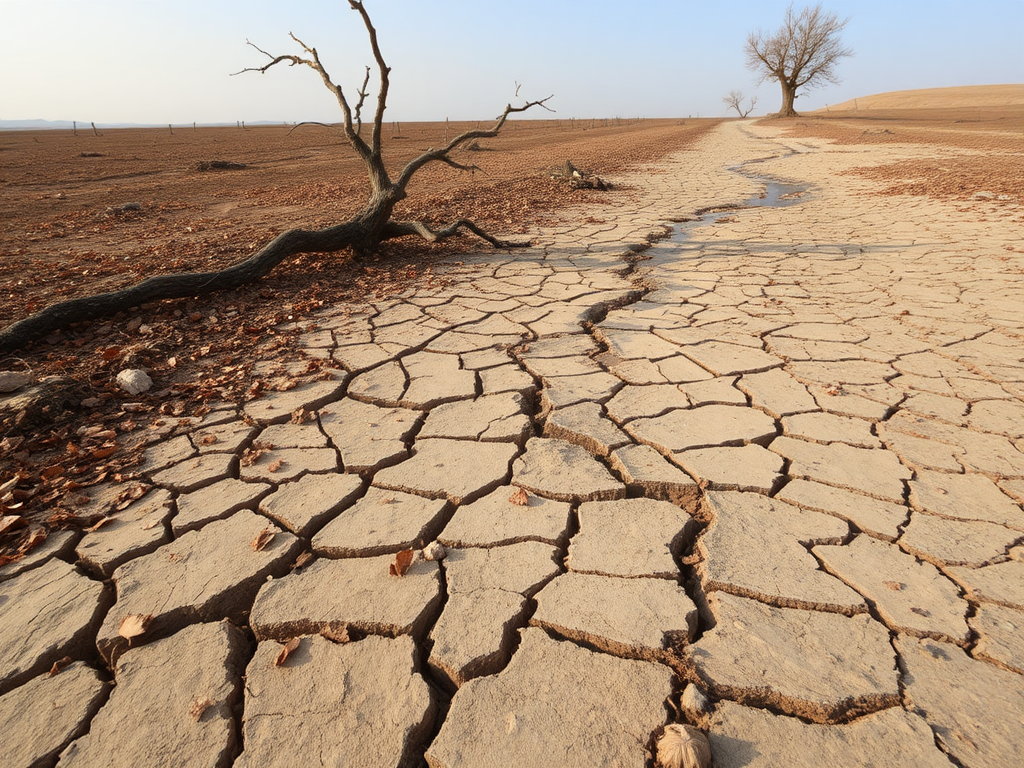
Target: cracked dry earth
point(773, 476)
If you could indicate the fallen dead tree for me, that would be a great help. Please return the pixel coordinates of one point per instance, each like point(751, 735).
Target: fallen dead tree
point(361, 235)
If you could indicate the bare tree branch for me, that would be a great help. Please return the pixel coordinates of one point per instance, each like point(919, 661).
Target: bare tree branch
point(432, 155)
point(359, 105)
point(383, 69)
point(311, 122)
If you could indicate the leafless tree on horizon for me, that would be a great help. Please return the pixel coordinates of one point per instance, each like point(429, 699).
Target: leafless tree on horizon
point(802, 53)
point(735, 101)
point(362, 234)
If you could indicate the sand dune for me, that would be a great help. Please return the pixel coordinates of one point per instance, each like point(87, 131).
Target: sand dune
point(968, 96)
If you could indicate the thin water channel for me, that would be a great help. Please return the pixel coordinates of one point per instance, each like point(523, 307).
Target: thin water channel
point(776, 194)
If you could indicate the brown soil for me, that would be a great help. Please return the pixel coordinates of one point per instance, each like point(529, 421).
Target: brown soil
point(84, 214)
point(981, 149)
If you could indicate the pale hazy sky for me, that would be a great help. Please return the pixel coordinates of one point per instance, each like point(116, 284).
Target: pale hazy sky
point(142, 61)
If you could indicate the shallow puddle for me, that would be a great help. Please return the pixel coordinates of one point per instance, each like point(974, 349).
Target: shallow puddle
point(776, 194)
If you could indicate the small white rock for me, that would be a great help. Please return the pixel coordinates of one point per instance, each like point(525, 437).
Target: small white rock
point(11, 381)
point(434, 551)
point(134, 381)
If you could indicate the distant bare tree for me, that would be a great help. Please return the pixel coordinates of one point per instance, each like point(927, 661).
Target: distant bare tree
point(361, 234)
point(803, 52)
point(735, 101)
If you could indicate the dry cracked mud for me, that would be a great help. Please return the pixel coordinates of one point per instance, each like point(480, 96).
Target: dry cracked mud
point(775, 456)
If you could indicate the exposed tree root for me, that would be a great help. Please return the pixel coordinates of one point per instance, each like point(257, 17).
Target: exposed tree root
point(351, 234)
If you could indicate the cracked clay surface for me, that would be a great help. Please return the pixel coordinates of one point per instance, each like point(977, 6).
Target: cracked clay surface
point(772, 455)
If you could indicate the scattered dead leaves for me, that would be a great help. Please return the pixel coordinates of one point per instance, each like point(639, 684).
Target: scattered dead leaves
point(403, 562)
point(210, 349)
point(251, 455)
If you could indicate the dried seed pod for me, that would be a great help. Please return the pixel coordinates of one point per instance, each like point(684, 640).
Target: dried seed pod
point(683, 746)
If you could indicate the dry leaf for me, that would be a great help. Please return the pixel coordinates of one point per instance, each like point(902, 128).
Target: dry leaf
point(36, 536)
point(263, 538)
point(111, 352)
point(302, 560)
point(252, 455)
point(60, 665)
point(402, 564)
point(130, 495)
point(301, 416)
point(895, 586)
point(520, 498)
point(9, 522)
point(98, 524)
point(134, 624)
point(275, 465)
point(289, 648)
point(336, 632)
point(199, 707)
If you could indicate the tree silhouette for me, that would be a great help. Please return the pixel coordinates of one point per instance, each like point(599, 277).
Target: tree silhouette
point(802, 53)
point(735, 101)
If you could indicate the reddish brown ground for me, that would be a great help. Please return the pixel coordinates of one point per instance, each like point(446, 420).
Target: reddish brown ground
point(61, 237)
point(58, 239)
point(982, 148)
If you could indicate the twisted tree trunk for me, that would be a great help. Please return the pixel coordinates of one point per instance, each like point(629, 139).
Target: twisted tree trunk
point(788, 97)
point(362, 234)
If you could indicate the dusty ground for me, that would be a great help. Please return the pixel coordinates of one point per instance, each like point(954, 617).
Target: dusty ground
point(762, 476)
point(981, 148)
point(64, 233)
point(61, 235)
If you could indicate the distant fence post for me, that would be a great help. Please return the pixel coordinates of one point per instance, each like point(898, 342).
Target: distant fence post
point(74, 127)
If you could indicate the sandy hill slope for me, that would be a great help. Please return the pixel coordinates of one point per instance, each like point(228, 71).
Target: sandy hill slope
point(961, 97)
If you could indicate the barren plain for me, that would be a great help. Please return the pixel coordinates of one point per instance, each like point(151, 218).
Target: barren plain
point(736, 443)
